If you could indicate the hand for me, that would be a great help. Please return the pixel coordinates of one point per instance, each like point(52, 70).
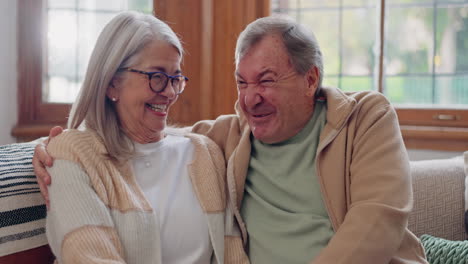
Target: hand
point(41, 160)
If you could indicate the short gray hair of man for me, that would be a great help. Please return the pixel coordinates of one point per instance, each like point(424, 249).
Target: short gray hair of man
point(301, 44)
point(116, 47)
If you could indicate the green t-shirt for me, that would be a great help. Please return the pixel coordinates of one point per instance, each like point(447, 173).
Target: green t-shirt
point(283, 207)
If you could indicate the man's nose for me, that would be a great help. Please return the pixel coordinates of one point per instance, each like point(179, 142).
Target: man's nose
point(252, 96)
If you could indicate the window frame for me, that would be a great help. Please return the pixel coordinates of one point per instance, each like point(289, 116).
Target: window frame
point(35, 117)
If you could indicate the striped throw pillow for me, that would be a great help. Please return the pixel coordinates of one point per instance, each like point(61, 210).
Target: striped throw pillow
point(22, 208)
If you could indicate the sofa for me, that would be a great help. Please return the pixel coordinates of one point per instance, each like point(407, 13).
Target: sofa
point(439, 199)
point(438, 186)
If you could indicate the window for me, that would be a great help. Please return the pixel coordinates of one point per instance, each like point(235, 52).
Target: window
point(72, 30)
point(413, 51)
point(56, 39)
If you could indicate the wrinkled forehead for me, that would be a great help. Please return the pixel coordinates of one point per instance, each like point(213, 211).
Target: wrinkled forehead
point(267, 54)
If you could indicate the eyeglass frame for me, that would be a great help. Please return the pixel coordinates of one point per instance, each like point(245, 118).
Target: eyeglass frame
point(169, 77)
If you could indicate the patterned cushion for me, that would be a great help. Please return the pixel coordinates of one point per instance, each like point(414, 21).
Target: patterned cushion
point(22, 209)
point(443, 251)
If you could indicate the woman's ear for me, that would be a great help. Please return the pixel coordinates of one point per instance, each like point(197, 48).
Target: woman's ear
point(112, 93)
point(312, 79)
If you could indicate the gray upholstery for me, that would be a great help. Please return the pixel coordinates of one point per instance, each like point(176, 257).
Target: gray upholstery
point(439, 206)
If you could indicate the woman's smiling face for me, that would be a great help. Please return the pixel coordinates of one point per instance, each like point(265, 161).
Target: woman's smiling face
point(143, 113)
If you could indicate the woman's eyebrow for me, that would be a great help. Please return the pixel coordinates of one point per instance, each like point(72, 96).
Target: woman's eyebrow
point(162, 69)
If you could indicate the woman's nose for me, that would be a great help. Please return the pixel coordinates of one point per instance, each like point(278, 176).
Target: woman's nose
point(169, 91)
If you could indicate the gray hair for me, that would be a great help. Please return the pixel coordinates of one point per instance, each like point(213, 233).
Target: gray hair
point(116, 47)
point(301, 44)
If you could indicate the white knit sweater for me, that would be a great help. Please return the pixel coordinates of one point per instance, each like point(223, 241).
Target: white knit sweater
point(99, 214)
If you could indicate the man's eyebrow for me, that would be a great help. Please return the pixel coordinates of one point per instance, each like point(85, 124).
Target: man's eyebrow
point(265, 72)
point(260, 75)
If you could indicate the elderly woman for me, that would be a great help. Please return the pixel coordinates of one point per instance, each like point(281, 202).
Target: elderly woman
point(126, 189)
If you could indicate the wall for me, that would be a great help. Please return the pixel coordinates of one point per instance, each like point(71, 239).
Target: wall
point(8, 72)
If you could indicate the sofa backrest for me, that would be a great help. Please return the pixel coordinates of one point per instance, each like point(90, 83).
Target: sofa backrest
point(438, 191)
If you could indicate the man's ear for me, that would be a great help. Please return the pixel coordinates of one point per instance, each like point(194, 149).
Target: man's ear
point(312, 79)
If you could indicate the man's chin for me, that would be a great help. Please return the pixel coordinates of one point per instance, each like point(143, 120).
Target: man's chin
point(263, 137)
point(262, 131)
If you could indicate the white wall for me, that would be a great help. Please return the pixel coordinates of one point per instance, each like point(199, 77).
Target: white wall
point(8, 70)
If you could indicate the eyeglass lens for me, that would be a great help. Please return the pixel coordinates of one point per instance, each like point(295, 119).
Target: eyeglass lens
point(159, 81)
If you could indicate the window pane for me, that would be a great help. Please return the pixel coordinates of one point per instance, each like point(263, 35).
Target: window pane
point(62, 4)
point(324, 23)
point(451, 40)
point(390, 2)
point(330, 81)
point(319, 3)
point(452, 91)
point(282, 6)
point(409, 90)
point(359, 33)
point(72, 34)
point(91, 24)
point(452, 1)
point(62, 48)
point(109, 5)
point(346, 33)
point(409, 44)
point(140, 5)
point(354, 3)
point(356, 83)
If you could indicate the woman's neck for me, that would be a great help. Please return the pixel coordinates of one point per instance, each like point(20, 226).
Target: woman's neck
point(144, 137)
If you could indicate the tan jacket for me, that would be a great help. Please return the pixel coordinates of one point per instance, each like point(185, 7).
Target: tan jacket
point(363, 170)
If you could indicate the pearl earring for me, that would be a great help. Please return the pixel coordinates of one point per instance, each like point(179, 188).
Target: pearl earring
point(114, 99)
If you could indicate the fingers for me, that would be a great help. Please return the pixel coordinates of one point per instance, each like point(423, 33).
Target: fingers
point(41, 160)
point(55, 131)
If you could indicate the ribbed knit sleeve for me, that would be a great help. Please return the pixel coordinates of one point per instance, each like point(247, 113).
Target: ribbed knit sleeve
point(98, 214)
point(79, 225)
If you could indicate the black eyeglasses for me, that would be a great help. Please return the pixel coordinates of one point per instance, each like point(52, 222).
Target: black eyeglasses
point(158, 80)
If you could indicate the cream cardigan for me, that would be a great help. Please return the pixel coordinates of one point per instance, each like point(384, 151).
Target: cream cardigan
point(99, 214)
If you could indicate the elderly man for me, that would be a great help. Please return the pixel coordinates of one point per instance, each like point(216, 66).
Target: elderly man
point(316, 175)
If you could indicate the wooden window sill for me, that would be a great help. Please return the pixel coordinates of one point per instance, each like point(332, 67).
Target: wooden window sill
point(435, 138)
point(24, 133)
